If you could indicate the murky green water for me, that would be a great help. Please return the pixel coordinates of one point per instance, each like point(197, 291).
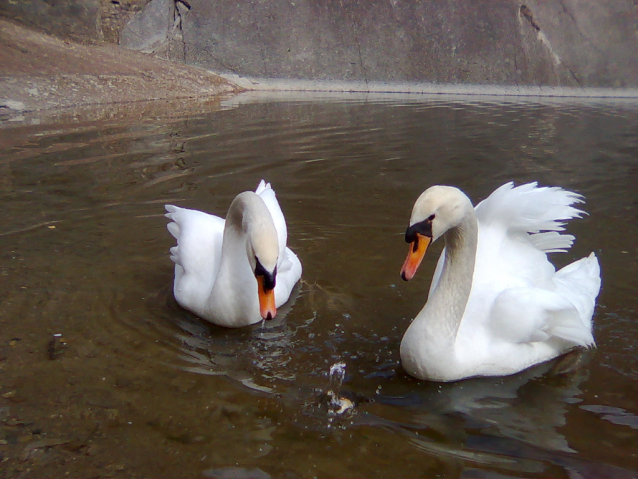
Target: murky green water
point(137, 387)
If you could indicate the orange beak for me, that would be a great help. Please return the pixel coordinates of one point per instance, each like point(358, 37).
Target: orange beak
point(267, 307)
point(415, 255)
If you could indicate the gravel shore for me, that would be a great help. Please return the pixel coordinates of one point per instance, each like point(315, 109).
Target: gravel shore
point(41, 72)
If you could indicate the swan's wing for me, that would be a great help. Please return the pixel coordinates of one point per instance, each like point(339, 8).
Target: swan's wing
point(198, 252)
point(288, 273)
point(528, 208)
point(527, 315)
point(504, 259)
point(517, 296)
point(270, 198)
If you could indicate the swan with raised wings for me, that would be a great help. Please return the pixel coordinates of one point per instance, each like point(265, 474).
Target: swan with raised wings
point(238, 271)
point(496, 305)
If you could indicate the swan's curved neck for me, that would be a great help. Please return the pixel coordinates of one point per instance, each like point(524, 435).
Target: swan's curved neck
point(233, 228)
point(234, 272)
point(446, 304)
point(248, 218)
point(235, 236)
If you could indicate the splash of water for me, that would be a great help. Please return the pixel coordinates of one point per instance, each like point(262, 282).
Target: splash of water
point(336, 375)
point(337, 404)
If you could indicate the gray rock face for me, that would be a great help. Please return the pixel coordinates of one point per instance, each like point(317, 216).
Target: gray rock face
point(74, 19)
point(149, 31)
point(501, 42)
point(158, 29)
point(593, 42)
point(576, 43)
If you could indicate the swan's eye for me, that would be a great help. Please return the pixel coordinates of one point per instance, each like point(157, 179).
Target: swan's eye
point(259, 269)
point(424, 228)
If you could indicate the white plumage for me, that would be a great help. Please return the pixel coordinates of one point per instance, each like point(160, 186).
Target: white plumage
point(496, 304)
point(217, 261)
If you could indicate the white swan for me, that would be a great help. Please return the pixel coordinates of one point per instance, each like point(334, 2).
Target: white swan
point(237, 271)
point(496, 304)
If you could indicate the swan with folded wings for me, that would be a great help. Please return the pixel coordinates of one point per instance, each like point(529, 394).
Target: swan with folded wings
point(496, 305)
point(238, 271)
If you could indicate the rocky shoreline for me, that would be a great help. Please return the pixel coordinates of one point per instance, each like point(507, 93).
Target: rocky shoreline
point(42, 72)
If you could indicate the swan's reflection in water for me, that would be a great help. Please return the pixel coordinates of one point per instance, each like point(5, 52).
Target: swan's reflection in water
point(257, 356)
point(511, 424)
point(528, 406)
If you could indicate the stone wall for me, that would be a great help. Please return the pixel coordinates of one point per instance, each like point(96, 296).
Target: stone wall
point(84, 21)
point(577, 43)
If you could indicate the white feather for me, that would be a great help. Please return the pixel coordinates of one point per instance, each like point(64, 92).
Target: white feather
point(499, 306)
point(227, 296)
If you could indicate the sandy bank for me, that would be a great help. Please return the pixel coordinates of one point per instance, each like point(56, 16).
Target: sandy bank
point(41, 72)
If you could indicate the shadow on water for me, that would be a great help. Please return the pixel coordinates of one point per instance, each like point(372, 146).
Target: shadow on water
point(104, 374)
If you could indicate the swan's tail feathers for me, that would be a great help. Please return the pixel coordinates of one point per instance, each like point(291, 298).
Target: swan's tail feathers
point(580, 283)
point(533, 209)
point(569, 326)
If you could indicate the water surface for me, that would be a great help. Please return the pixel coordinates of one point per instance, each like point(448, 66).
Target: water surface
point(135, 386)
